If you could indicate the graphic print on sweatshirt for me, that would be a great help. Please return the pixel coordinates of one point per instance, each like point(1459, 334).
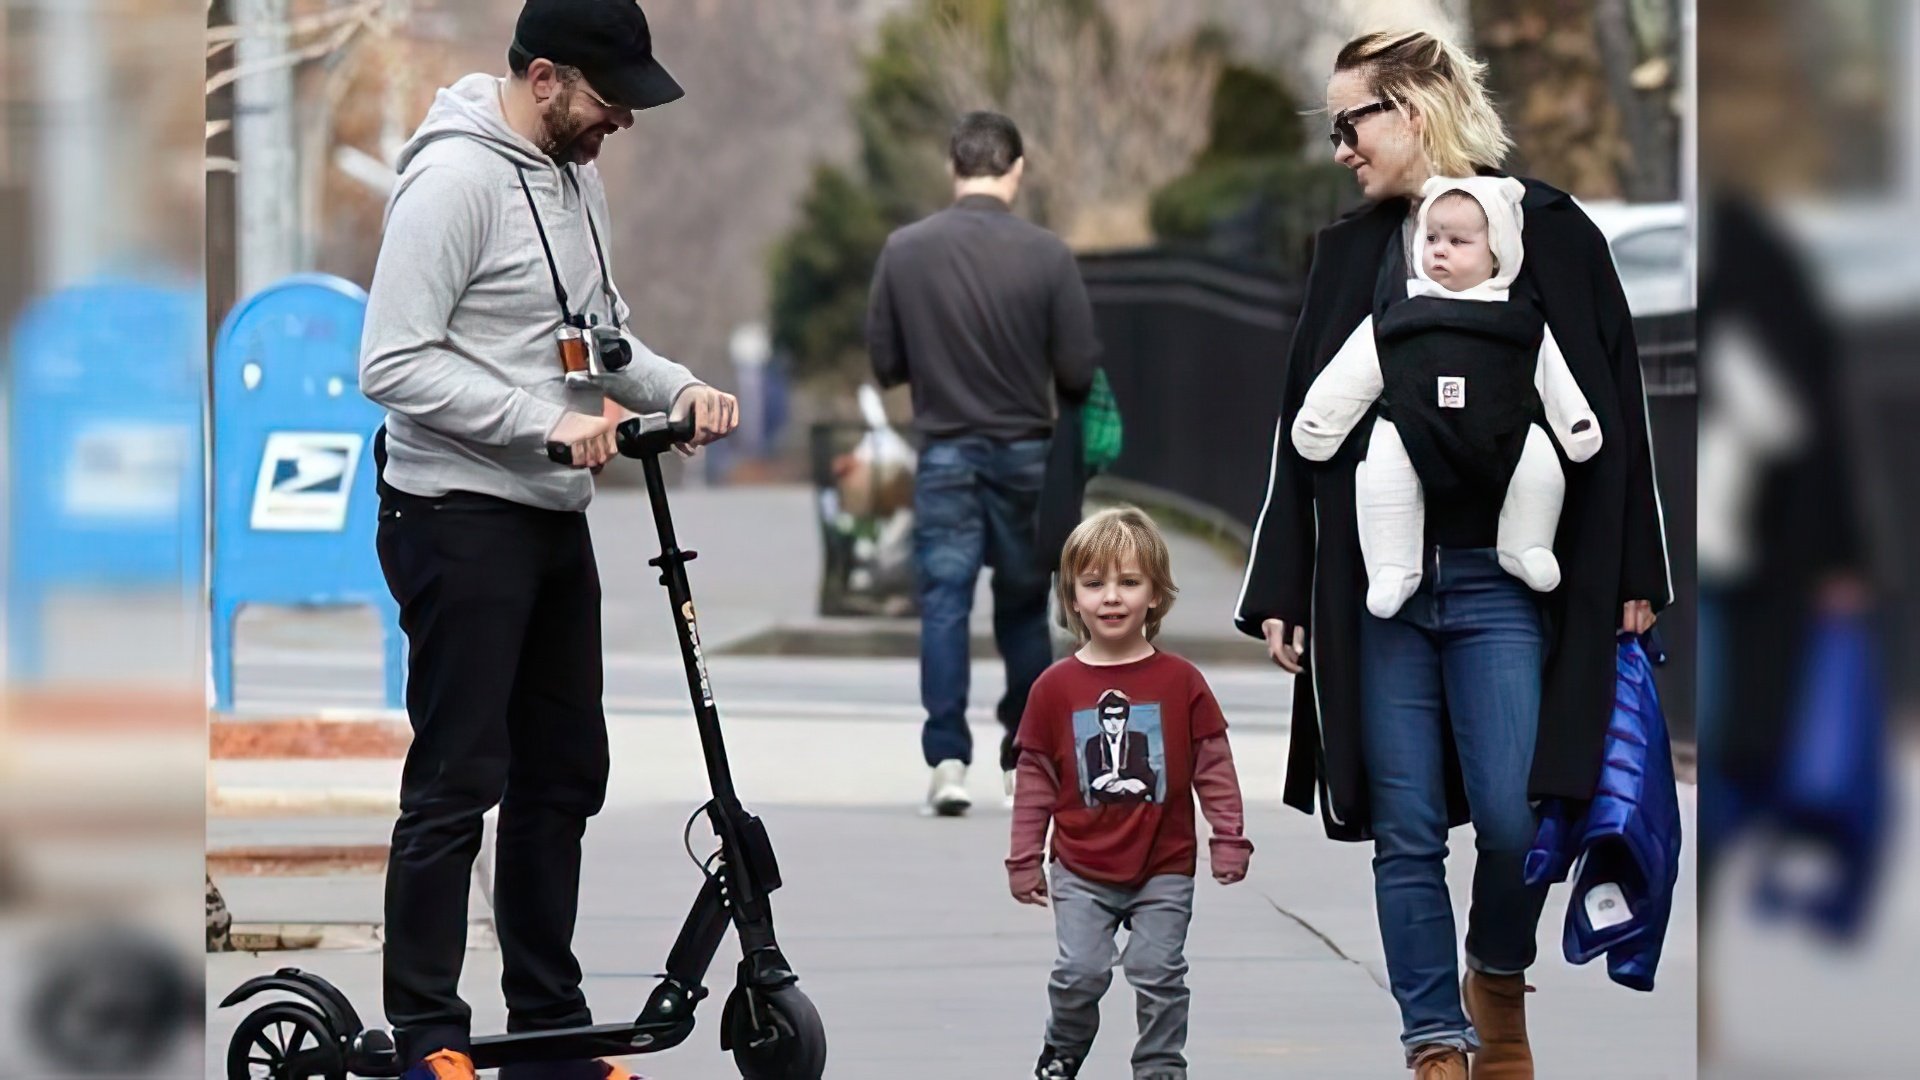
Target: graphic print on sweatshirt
point(1123, 757)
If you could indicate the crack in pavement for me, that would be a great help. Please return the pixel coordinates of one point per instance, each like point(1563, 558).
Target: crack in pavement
point(1327, 941)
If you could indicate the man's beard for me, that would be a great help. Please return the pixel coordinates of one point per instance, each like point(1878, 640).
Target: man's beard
point(560, 130)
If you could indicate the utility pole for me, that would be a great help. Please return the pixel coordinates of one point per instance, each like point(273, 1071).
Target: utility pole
point(222, 273)
point(267, 184)
point(76, 211)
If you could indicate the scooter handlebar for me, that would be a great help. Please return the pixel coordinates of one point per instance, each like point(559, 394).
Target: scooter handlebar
point(636, 437)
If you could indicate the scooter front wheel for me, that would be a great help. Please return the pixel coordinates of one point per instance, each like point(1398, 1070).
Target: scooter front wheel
point(285, 1041)
point(787, 1042)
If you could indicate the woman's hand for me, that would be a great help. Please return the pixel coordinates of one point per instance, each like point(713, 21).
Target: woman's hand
point(1637, 617)
point(1286, 651)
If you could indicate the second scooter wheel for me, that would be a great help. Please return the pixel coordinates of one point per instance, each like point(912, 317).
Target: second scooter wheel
point(795, 1046)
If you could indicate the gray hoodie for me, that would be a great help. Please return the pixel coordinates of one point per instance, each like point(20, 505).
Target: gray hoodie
point(458, 345)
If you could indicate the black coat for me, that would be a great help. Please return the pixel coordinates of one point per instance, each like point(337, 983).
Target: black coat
point(1306, 568)
point(1806, 521)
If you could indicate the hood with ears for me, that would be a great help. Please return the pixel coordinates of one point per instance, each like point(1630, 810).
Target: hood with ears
point(1499, 198)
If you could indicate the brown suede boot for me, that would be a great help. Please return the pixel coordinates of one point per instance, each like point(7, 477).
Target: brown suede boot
point(1438, 1062)
point(1497, 1005)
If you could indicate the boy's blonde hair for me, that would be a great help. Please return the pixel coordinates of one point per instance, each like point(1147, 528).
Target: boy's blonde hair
point(1103, 542)
point(1462, 132)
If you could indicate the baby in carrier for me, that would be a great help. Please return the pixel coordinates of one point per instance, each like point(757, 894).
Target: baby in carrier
point(1464, 382)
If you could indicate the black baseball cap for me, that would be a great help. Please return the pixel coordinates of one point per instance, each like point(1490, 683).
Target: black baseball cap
point(607, 40)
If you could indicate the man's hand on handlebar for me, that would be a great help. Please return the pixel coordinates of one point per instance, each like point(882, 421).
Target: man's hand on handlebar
point(589, 438)
point(715, 414)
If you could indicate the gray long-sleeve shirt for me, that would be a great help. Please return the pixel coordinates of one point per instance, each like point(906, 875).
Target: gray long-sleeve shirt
point(459, 338)
point(985, 316)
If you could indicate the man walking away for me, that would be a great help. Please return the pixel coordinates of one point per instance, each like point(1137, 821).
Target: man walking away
point(984, 314)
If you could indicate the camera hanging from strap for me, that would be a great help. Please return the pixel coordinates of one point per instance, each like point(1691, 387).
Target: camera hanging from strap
point(586, 349)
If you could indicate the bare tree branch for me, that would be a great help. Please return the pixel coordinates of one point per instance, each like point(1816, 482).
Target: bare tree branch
point(1113, 103)
point(296, 57)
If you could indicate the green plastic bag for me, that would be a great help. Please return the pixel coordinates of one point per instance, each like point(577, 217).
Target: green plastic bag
point(1101, 429)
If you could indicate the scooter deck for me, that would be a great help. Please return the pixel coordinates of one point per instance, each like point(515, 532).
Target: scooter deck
point(569, 1044)
point(564, 1044)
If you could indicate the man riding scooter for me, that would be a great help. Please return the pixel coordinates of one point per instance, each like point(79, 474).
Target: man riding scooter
point(493, 329)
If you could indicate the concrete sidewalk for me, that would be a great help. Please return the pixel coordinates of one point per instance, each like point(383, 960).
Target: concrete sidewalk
point(899, 925)
point(903, 934)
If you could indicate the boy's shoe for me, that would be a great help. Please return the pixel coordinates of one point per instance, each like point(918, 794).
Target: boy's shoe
point(443, 1065)
point(947, 795)
point(1497, 1007)
point(1054, 1065)
point(1437, 1062)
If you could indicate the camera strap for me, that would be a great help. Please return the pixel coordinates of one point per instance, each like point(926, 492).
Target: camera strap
point(553, 269)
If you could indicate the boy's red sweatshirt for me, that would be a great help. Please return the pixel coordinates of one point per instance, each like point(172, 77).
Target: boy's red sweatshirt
point(1113, 755)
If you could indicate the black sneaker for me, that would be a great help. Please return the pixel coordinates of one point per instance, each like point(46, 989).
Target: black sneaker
point(1055, 1065)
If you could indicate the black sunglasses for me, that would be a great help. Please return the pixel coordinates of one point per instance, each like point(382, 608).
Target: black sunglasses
point(1343, 124)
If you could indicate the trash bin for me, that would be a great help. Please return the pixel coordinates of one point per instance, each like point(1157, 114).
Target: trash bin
point(863, 487)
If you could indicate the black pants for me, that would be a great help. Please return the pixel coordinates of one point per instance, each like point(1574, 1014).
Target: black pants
point(501, 607)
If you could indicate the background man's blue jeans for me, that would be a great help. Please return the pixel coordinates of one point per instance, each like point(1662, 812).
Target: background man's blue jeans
point(973, 504)
point(1469, 638)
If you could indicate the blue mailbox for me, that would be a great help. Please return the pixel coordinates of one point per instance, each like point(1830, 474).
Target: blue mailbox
point(106, 400)
point(294, 506)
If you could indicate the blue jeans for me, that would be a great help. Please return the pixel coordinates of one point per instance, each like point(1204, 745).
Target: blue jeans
point(1470, 639)
point(974, 500)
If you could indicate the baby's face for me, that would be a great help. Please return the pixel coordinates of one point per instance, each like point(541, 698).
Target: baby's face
point(1457, 254)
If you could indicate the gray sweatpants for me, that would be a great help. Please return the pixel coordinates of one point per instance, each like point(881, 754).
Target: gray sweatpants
point(1086, 915)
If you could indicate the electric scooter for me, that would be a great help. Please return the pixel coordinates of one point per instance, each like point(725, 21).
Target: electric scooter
point(772, 1030)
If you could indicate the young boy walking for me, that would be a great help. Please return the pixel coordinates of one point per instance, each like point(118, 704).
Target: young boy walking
point(1115, 743)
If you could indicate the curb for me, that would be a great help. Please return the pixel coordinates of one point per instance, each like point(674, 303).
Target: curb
point(343, 936)
point(69, 710)
point(303, 802)
point(900, 639)
point(308, 739)
point(298, 860)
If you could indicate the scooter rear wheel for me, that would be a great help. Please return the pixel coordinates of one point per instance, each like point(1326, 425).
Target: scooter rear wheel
point(105, 1005)
point(795, 1048)
point(285, 1041)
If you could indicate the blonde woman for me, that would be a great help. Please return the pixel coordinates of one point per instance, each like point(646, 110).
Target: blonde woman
point(1478, 695)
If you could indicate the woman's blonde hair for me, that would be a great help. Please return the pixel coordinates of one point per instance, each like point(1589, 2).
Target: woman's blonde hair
point(1103, 542)
point(1462, 132)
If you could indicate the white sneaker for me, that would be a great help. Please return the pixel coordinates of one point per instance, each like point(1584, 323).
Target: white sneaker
point(947, 795)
